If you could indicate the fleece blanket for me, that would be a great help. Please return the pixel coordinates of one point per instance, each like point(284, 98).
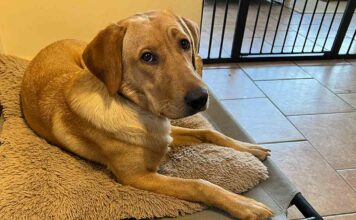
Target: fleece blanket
point(41, 181)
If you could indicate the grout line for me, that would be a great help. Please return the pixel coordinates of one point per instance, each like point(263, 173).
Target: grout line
point(324, 86)
point(352, 168)
point(347, 182)
point(282, 142)
point(338, 95)
point(275, 106)
point(320, 113)
point(345, 213)
point(332, 167)
point(267, 80)
point(311, 144)
point(345, 93)
point(230, 99)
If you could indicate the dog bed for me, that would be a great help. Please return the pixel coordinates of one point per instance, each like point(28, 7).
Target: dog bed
point(39, 180)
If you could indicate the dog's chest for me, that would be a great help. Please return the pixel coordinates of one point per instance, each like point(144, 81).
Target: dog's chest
point(120, 118)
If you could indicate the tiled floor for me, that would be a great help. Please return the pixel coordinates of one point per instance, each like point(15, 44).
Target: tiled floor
point(305, 112)
point(272, 33)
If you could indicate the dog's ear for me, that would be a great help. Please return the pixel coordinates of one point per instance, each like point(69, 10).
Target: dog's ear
point(103, 56)
point(192, 29)
point(199, 64)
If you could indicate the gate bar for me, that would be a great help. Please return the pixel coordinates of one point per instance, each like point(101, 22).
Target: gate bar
point(266, 27)
point(344, 26)
point(321, 24)
point(289, 22)
point(351, 43)
point(331, 24)
point(212, 28)
point(223, 28)
point(239, 29)
point(300, 23)
point(310, 24)
point(277, 28)
point(256, 22)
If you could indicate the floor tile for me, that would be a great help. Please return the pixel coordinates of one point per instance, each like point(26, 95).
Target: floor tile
point(313, 30)
point(294, 213)
point(348, 46)
point(214, 51)
point(339, 78)
point(215, 46)
point(349, 98)
point(262, 120)
point(230, 84)
point(333, 135)
point(255, 44)
point(314, 177)
point(275, 70)
point(302, 96)
point(349, 176)
point(342, 217)
point(344, 46)
point(282, 38)
point(321, 62)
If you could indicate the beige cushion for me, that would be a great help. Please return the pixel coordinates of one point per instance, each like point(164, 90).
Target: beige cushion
point(42, 181)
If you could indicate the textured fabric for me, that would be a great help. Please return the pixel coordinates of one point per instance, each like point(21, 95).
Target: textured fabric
point(39, 180)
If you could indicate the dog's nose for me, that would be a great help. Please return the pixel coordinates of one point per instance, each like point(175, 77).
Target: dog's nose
point(196, 98)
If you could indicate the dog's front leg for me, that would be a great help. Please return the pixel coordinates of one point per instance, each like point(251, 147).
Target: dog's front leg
point(183, 136)
point(200, 191)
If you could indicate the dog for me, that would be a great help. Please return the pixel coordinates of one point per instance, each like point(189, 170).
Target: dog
point(111, 101)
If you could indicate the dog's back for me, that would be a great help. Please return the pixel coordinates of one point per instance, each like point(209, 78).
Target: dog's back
point(51, 68)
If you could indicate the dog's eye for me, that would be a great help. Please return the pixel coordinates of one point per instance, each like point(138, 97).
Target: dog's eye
point(185, 44)
point(148, 57)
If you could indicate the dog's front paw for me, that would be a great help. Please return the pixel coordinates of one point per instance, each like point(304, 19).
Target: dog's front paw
point(251, 209)
point(258, 151)
point(257, 211)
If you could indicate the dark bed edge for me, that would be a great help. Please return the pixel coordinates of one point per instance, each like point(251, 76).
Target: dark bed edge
point(305, 207)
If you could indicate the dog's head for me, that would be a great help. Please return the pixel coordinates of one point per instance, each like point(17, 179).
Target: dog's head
point(151, 59)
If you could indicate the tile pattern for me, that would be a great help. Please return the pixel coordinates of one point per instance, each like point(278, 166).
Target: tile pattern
point(338, 78)
point(230, 84)
point(333, 135)
point(302, 96)
point(322, 166)
point(349, 98)
point(262, 120)
point(350, 176)
point(272, 71)
point(322, 62)
point(318, 181)
point(341, 217)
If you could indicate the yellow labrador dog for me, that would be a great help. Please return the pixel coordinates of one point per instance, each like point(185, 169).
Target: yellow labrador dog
point(110, 101)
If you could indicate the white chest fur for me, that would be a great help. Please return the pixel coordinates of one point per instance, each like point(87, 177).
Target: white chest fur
point(118, 116)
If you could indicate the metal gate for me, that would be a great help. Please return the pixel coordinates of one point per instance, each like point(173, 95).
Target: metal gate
point(264, 30)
